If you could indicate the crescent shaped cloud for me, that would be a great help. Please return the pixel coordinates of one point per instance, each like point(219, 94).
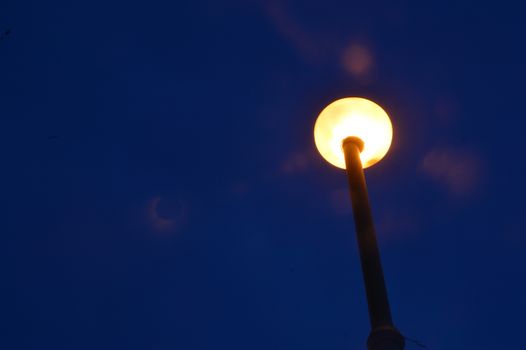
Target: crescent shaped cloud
point(157, 221)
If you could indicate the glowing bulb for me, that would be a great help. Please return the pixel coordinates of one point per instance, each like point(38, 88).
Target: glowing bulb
point(353, 116)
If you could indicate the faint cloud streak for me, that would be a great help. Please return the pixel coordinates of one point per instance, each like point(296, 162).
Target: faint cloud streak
point(458, 171)
point(298, 162)
point(295, 163)
point(291, 30)
point(164, 223)
point(357, 60)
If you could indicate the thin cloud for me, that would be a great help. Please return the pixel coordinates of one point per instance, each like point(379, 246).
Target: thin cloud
point(291, 30)
point(295, 163)
point(357, 60)
point(458, 171)
point(166, 222)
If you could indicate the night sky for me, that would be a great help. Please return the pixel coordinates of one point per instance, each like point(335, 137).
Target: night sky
point(160, 187)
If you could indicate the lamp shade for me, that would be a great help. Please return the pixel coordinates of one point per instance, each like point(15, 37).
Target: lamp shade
point(353, 116)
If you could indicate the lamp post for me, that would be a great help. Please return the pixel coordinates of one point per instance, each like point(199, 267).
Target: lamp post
point(354, 133)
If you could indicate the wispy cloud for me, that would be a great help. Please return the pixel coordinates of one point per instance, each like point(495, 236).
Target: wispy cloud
point(357, 60)
point(458, 171)
point(295, 163)
point(291, 29)
point(167, 220)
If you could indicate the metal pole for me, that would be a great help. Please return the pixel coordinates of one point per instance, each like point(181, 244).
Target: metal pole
point(384, 335)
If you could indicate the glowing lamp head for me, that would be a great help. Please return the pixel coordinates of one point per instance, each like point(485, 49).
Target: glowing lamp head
point(358, 117)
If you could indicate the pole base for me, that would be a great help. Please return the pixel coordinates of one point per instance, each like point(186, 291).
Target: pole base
point(387, 338)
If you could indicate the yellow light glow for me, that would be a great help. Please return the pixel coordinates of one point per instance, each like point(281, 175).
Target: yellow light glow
point(353, 116)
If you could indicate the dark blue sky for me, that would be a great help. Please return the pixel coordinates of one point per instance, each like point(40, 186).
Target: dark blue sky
point(161, 188)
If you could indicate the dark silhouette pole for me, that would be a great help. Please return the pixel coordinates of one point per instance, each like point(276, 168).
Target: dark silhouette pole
point(384, 336)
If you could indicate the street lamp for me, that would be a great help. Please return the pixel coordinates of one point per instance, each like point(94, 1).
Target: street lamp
point(354, 133)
